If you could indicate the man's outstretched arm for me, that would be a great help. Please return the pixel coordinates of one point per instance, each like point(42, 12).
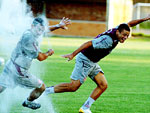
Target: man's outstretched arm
point(138, 21)
point(62, 24)
point(82, 47)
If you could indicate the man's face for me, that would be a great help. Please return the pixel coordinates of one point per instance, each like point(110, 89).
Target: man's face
point(123, 35)
point(38, 29)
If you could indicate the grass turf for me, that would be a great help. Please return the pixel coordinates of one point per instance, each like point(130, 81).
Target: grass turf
point(127, 70)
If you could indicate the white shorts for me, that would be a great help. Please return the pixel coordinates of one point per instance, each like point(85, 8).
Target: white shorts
point(13, 76)
point(84, 67)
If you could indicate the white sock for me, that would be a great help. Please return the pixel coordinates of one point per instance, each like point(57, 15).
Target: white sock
point(49, 90)
point(88, 103)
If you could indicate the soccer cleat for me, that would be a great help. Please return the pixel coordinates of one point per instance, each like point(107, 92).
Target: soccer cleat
point(31, 105)
point(84, 110)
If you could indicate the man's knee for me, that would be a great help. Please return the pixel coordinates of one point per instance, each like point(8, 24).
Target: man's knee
point(101, 81)
point(42, 88)
point(104, 86)
point(74, 86)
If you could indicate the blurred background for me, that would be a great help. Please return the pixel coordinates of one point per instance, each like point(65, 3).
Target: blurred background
point(127, 69)
point(92, 17)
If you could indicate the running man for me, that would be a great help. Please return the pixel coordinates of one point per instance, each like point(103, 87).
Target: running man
point(88, 54)
point(16, 69)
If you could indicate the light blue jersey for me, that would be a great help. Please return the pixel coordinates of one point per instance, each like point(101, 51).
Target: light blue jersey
point(26, 50)
point(16, 69)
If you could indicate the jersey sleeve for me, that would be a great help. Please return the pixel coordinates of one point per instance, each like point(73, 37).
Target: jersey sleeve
point(102, 42)
point(29, 46)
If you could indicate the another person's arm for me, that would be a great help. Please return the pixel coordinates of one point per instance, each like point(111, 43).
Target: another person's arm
point(62, 24)
point(82, 47)
point(103, 42)
point(138, 21)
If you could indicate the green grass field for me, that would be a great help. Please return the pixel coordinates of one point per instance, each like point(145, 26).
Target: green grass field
point(127, 70)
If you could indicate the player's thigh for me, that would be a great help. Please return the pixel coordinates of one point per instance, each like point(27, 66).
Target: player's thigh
point(81, 70)
point(100, 80)
point(96, 71)
point(29, 81)
point(77, 72)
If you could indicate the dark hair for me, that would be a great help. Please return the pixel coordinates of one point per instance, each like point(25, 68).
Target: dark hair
point(122, 27)
point(38, 21)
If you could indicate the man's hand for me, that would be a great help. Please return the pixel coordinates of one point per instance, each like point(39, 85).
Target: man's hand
point(50, 52)
point(64, 23)
point(69, 56)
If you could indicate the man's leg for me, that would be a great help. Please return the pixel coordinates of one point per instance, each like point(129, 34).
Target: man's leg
point(34, 95)
point(101, 82)
point(64, 87)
